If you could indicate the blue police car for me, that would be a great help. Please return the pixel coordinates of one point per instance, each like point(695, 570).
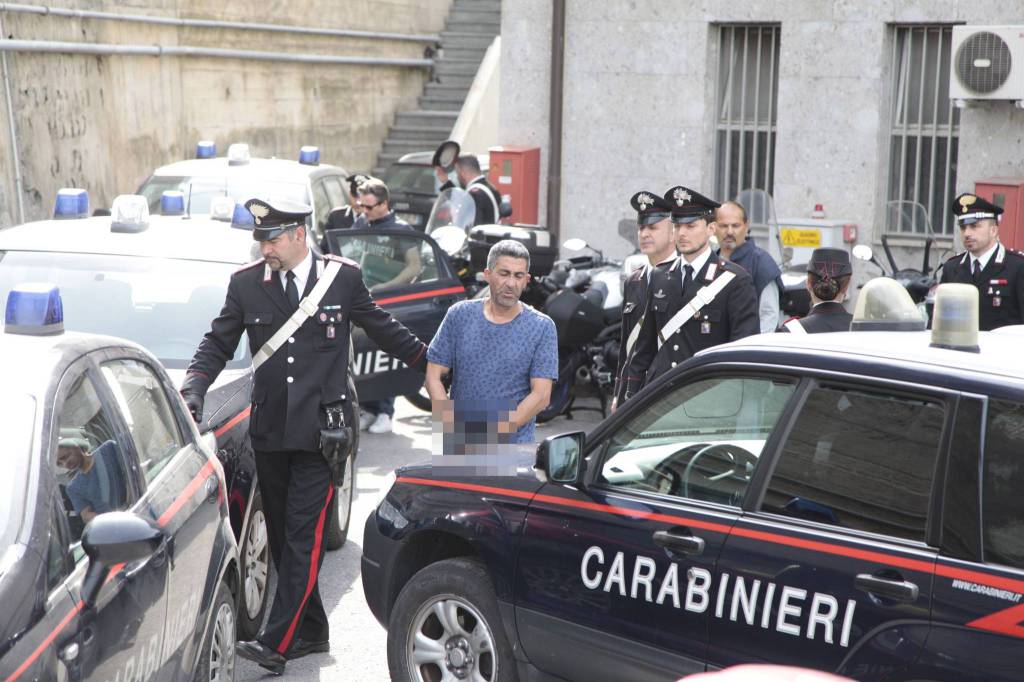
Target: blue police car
point(117, 558)
point(848, 502)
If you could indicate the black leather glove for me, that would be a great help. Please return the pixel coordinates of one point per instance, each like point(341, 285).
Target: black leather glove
point(194, 401)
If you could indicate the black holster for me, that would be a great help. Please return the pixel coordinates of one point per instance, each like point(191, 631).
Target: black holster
point(335, 442)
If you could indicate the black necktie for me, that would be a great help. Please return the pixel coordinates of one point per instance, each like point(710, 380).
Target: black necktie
point(687, 276)
point(291, 291)
point(977, 269)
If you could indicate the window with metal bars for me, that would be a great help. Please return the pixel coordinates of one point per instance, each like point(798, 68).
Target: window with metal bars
point(746, 105)
point(925, 129)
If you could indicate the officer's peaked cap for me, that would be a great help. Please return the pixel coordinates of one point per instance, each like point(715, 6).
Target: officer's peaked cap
point(830, 263)
point(689, 205)
point(970, 208)
point(273, 219)
point(649, 207)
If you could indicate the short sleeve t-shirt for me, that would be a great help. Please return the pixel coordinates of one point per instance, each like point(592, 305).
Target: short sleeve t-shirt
point(103, 487)
point(492, 364)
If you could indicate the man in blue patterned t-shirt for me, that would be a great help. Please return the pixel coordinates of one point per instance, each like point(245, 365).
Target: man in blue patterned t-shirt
point(503, 354)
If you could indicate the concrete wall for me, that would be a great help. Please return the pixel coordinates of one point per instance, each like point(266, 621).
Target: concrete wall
point(639, 102)
point(103, 123)
point(476, 129)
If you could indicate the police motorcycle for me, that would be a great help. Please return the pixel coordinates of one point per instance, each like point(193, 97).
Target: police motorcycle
point(907, 217)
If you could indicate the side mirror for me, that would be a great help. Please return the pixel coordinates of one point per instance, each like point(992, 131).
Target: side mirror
point(561, 457)
point(450, 238)
point(115, 538)
point(575, 244)
point(863, 252)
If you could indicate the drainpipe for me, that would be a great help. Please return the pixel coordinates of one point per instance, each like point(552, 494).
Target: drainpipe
point(18, 187)
point(555, 119)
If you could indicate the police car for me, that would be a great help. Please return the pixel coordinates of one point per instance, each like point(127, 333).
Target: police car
point(117, 558)
point(848, 502)
point(239, 176)
point(159, 281)
point(414, 187)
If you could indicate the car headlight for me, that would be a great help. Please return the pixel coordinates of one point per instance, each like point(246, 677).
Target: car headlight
point(385, 488)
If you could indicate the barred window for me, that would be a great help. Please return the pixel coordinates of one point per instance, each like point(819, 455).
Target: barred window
point(745, 108)
point(925, 128)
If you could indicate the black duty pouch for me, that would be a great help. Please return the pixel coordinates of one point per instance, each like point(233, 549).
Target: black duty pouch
point(335, 441)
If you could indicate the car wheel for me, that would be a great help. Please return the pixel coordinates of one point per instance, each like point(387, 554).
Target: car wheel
point(217, 659)
point(340, 512)
point(445, 625)
point(420, 401)
point(255, 558)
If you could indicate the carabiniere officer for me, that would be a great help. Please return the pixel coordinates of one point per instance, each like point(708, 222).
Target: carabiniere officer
point(997, 271)
point(700, 301)
point(295, 390)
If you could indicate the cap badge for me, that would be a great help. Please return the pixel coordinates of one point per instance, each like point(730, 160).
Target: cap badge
point(259, 212)
point(645, 200)
point(966, 201)
point(681, 196)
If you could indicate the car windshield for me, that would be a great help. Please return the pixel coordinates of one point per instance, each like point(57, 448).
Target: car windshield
point(17, 418)
point(413, 178)
point(164, 305)
point(200, 191)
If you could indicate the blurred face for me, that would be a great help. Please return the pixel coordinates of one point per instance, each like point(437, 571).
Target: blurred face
point(731, 228)
point(372, 208)
point(70, 457)
point(979, 237)
point(507, 280)
point(692, 238)
point(657, 241)
point(285, 251)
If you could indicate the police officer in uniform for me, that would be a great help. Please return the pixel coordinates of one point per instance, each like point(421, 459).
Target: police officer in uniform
point(485, 196)
point(656, 238)
point(828, 279)
point(678, 322)
point(292, 392)
point(997, 271)
point(346, 217)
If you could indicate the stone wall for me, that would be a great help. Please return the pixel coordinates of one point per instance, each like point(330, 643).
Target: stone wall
point(104, 122)
point(639, 102)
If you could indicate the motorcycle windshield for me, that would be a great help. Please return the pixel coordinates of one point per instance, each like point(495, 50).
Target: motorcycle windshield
point(453, 206)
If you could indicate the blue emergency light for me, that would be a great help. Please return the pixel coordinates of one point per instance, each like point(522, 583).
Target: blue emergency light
point(309, 156)
point(71, 203)
point(206, 149)
point(172, 202)
point(242, 218)
point(34, 309)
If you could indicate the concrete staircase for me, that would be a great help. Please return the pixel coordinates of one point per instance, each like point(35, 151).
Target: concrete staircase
point(469, 30)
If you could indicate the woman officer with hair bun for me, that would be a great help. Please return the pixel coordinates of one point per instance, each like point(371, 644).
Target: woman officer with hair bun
point(828, 278)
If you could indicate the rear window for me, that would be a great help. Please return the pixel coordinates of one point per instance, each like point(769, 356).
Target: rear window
point(201, 191)
point(402, 177)
point(1003, 508)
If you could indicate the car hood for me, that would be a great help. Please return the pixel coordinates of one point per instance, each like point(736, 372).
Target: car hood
point(447, 469)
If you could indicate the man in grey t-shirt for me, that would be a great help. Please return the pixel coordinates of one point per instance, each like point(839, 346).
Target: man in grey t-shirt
point(503, 354)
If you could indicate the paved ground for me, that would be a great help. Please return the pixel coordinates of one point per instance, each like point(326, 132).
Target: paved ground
point(358, 642)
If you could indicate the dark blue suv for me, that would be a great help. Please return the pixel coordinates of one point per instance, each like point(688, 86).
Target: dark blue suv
point(848, 502)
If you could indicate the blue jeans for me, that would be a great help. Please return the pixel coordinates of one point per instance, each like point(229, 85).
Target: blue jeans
point(375, 407)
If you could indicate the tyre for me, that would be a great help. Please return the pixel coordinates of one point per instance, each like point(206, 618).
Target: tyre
point(255, 574)
point(421, 401)
point(339, 515)
point(217, 657)
point(445, 625)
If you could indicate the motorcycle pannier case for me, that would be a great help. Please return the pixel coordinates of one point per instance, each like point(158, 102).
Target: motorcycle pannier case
point(577, 320)
point(536, 239)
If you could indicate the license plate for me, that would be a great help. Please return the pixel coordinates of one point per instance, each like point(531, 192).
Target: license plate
point(411, 218)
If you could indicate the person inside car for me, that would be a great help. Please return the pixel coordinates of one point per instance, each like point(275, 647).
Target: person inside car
point(98, 485)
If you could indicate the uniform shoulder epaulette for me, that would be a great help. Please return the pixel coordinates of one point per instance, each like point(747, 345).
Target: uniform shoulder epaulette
point(954, 257)
point(249, 266)
point(1015, 252)
point(344, 261)
point(732, 267)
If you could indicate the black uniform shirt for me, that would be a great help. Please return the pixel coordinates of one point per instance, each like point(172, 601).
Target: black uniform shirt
point(311, 368)
point(827, 316)
point(635, 292)
point(1000, 285)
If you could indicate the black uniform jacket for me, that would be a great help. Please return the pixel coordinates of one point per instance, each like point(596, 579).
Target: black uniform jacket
point(486, 198)
point(635, 295)
point(1001, 285)
point(827, 316)
point(732, 315)
point(341, 219)
point(310, 369)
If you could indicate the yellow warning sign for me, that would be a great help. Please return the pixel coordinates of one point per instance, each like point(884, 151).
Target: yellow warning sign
point(792, 236)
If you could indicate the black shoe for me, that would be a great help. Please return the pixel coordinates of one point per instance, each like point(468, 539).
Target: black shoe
point(260, 653)
point(303, 647)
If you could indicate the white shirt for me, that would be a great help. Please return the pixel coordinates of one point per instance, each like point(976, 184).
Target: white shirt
point(301, 274)
point(984, 258)
point(696, 264)
point(768, 308)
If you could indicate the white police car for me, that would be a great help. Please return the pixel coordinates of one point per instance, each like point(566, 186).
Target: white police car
point(848, 502)
point(240, 176)
point(117, 558)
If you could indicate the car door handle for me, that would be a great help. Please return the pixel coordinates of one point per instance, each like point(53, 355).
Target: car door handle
point(889, 588)
point(679, 541)
point(211, 487)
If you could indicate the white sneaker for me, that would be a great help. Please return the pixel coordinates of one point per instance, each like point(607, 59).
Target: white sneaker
point(382, 424)
point(365, 419)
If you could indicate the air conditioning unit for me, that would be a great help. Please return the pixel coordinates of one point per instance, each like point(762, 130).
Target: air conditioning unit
point(988, 63)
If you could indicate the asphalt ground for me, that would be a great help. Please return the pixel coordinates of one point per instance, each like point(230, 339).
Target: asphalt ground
point(358, 642)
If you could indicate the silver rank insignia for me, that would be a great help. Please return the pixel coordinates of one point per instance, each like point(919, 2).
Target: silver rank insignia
point(705, 327)
point(645, 200)
point(659, 294)
point(681, 196)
